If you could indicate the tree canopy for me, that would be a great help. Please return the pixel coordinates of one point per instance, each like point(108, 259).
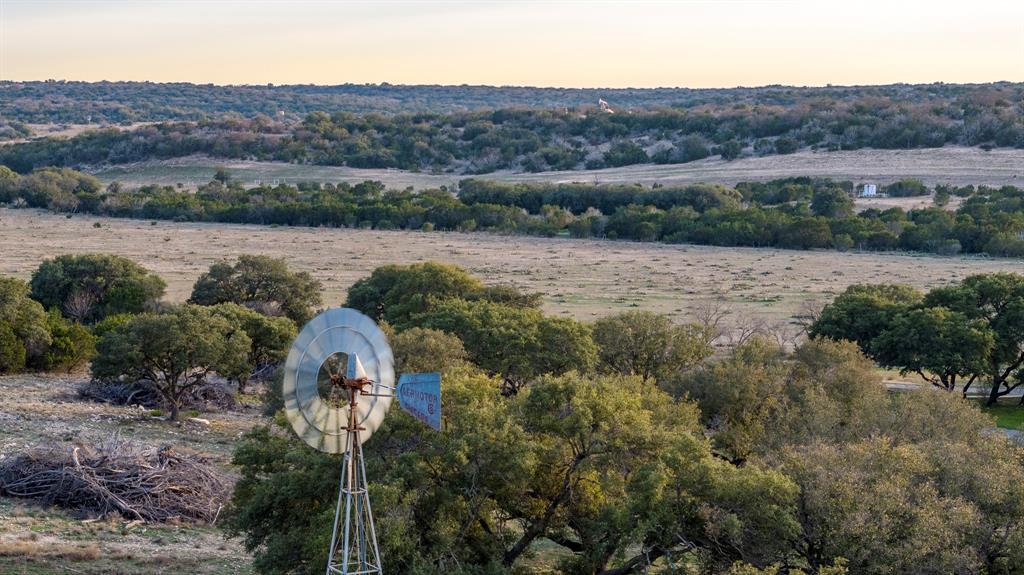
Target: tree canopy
point(270, 337)
point(972, 330)
point(612, 471)
point(649, 345)
point(517, 343)
point(89, 287)
point(174, 352)
point(862, 312)
point(24, 333)
point(261, 283)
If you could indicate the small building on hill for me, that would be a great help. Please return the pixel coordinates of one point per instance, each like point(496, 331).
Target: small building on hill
point(869, 191)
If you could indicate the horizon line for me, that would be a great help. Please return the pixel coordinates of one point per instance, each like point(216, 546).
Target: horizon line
point(507, 86)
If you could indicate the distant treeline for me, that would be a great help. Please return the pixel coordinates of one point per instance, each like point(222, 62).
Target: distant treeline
point(126, 102)
point(794, 213)
point(538, 140)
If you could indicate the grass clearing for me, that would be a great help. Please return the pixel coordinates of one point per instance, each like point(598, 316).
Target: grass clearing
point(1009, 414)
point(585, 279)
point(951, 164)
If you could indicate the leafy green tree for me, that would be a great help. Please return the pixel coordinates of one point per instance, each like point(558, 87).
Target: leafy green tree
point(785, 145)
point(831, 392)
point(520, 344)
point(937, 344)
point(396, 293)
point(649, 345)
point(997, 300)
point(423, 350)
point(906, 187)
point(832, 203)
point(586, 432)
point(90, 287)
point(730, 150)
point(222, 175)
point(894, 507)
point(175, 352)
point(758, 400)
point(270, 337)
point(71, 344)
point(26, 320)
point(862, 312)
point(613, 472)
point(280, 503)
point(107, 324)
point(56, 188)
point(739, 396)
point(625, 153)
point(843, 242)
point(8, 184)
point(805, 234)
point(12, 350)
point(261, 283)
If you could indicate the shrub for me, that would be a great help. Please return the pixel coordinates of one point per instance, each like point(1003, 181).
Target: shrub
point(906, 188)
point(71, 344)
point(26, 320)
point(261, 283)
point(625, 154)
point(90, 287)
point(730, 150)
point(786, 145)
point(12, 350)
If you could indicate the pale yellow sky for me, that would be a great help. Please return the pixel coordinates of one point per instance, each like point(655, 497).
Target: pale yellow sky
point(564, 43)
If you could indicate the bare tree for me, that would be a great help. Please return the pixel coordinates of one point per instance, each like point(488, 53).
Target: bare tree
point(786, 334)
point(746, 327)
point(711, 315)
point(79, 304)
point(809, 313)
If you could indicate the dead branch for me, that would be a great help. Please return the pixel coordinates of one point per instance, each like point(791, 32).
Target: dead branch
point(139, 482)
point(208, 396)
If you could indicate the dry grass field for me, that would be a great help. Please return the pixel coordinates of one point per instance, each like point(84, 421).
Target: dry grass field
point(955, 165)
point(65, 130)
point(585, 279)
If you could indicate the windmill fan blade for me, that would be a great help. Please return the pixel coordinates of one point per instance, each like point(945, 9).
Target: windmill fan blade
point(316, 351)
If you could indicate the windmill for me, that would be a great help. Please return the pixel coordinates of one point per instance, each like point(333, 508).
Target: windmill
point(339, 380)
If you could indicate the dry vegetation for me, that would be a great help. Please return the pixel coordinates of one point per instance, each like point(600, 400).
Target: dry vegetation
point(141, 482)
point(949, 165)
point(46, 409)
point(582, 278)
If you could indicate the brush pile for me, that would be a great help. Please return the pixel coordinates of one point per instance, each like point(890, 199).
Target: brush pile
point(139, 482)
point(210, 396)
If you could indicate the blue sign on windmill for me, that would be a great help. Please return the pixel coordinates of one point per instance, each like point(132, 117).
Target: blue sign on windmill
point(420, 395)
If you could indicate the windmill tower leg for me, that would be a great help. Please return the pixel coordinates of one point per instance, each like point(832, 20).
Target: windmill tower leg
point(356, 552)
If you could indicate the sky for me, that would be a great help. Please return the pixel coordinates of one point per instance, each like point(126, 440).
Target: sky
point(565, 43)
